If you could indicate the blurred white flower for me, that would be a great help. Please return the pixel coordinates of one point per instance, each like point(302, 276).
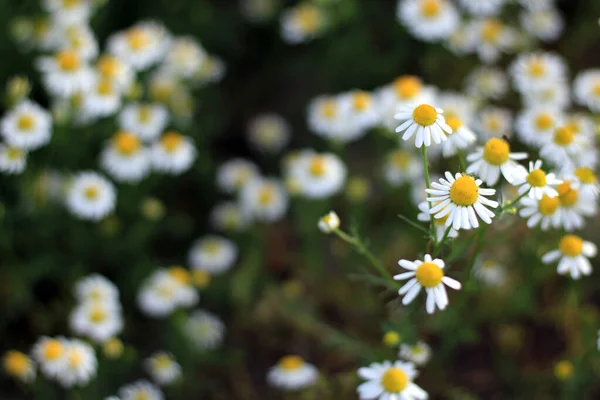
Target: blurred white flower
point(27, 126)
point(213, 254)
point(90, 196)
point(204, 330)
point(292, 373)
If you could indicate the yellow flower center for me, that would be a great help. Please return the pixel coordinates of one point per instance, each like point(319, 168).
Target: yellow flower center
point(391, 339)
point(537, 68)
point(596, 89)
point(394, 380)
point(491, 30)
point(290, 363)
point(180, 274)
point(585, 175)
point(548, 205)
point(308, 18)
point(328, 108)
point(145, 114)
point(16, 363)
point(544, 121)
point(113, 348)
point(537, 178)
point(109, 66)
point(407, 87)
point(26, 122)
point(361, 101)
point(201, 278)
point(14, 153)
point(142, 394)
point(53, 349)
point(98, 314)
point(566, 194)
point(171, 141)
point(68, 60)
point(162, 361)
point(418, 350)
point(75, 358)
point(91, 192)
point(126, 143)
point(212, 247)
point(563, 136)
point(496, 151)
point(71, 3)
point(571, 245)
point(138, 38)
point(400, 159)
point(429, 274)
point(105, 87)
point(425, 115)
point(318, 166)
point(464, 191)
point(563, 370)
point(266, 195)
point(492, 123)
point(430, 8)
point(454, 123)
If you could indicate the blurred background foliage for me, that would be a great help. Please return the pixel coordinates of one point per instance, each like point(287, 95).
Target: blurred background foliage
point(293, 290)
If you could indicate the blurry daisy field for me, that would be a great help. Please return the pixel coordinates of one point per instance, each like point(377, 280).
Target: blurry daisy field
point(299, 199)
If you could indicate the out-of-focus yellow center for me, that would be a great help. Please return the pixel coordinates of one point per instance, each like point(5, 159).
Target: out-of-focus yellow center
point(567, 194)
point(142, 394)
point(201, 278)
point(14, 153)
point(571, 245)
point(391, 339)
point(544, 121)
point(585, 175)
point(536, 68)
point(400, 159)
point(394, 380)
point(75, 358)
point(318, 166)
point(563, 136)
point(68, 60)
point(308, 18)
point(91, 192)
point(71, 3)
point(430, 8)
point(361, 101)
point(490, 30)
point(113, 348)
point(16, 363)
point(328, 108)
point(407, 86)
point(563, 370)
point(53, 349)
point(425, 115)
point(548, 205)
point(180, 274)
point(26, 122)
point(98, 314)
point(108, 66)
point(126, 143)
point(537, 178)
point(266, 195)
point(454, 123)
point(464, 191)
point(171, 141)
point(290, 363)
point(105, 87)
point(138, 38)
point(212, 247)
point(496, 151)
point(493, 123)
point(596, 89)
point(162, 361)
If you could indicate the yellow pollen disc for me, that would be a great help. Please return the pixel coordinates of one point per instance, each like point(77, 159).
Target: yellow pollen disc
point(142, 394)
point(391, 339)
point(266, 195)
point(71, 3)
point(308, 18)
point(496, 151)
point(98, 314)
point(328, 108)
point(68, 60)
point(491, 30)
point(537, 68)
point(418, 350)
point(91, 193)
point(171, 141)
point(212, 247)
point(180, 274)
point(407, 86)
point(400, 159)
point(563, 136)
point(566, 194)
point(75, 358)
point(105, 87)
point(361, 101)
point(537, 178)
point(425, 115)
point(126, 143)
point(26, 122)
point(585, 175)
point(548, 205)
point(563, 370)
point(290, 363)
point(138, 38)
point(454, 123)
point(144, 114)
point(201, 278)
point(16, 363)
point(430, 8)
point(53, 349)
point(493, 124)
point(108, 66)
point(571, 245)
point(394, 380)
point(14, 153)
point(327, 219)
point(464, 191)
point(318, 166)
point(596, 89)
point(162, 361)
point(544, 121)
point(113, 348)
point(429, 274)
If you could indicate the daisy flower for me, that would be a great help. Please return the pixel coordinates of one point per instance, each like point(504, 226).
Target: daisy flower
point(65, 73)
point(264, 199)
point(586, 88)
point(457, 105)
point(564, 148)
point(166, 290)
point(573, 253)
point(80, 364)
point(269, 133)
point(536, 70)
point(79, 38)
point(102, 100)
point(163, 368)
point(141, 389)
point(462, 199)
point(404, 90)
point(146, 120)
point(489, 161)
point(325, 117)
point(112, 68)
point(233, 174)
point(302, 23)
point(423, 121)
point(213, 254)
point(574, 205)
point(292, 373)
point(125, 158)
point(387, 381)
point(491, 38)
point(489, 272)
point(542, 211)
point(97, 320)
point(493, 122)
point(428, 274)
point(229, 217)
point(402, 167)
point(586, 182)
point(12, 160)
point(440, 223)
point(536, 125)
point(69, 11)
point(461, 137)
point(482, 7)
point(360, 112)
point(95, 287)
point(419, 354)
point(487, 83)
point(536, 182)
point(329, 222)
point(428, 20)
point(49, 353)
point(90, 196)
point(173, 153)
point(141, 46)
point(545, 24)
point(184, 57)
point(204, 330)
point(27, 126)
point(19, 366)
point(319, 175)
point(555, 96)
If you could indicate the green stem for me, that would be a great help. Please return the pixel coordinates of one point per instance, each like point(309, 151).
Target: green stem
point(362, 249)
point(461, 161)
point(428, 183)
